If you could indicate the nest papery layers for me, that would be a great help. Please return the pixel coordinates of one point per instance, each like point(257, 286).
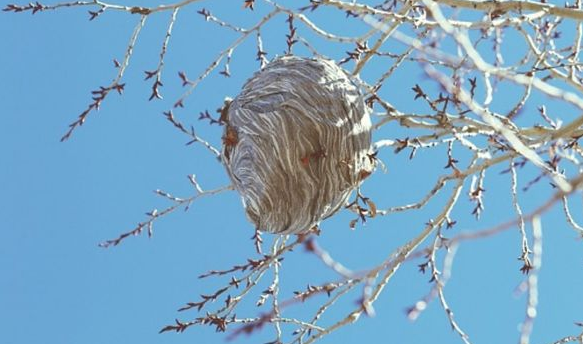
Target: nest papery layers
point(297, 143)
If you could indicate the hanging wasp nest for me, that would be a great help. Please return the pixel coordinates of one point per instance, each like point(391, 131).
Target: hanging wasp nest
point(297, 142)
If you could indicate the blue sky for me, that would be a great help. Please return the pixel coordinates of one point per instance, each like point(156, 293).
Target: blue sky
point(59, 200)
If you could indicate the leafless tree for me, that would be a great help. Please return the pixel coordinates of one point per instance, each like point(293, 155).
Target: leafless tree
point(462, 49)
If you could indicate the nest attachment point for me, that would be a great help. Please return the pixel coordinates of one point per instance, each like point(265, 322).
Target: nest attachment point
point(297, 142)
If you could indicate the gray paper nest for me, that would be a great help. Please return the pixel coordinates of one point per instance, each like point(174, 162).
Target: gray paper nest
point(297, 142)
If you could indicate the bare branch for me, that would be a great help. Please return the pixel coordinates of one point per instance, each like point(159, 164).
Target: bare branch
point(100, 94)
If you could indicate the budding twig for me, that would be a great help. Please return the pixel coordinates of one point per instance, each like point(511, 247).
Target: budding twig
point(99, 95)
point(155, 214)
point(157, 73)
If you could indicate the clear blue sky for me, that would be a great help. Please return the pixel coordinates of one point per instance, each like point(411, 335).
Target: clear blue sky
point(59, 200)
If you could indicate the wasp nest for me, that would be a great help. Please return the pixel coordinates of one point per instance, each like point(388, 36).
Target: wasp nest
point(297, 143)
